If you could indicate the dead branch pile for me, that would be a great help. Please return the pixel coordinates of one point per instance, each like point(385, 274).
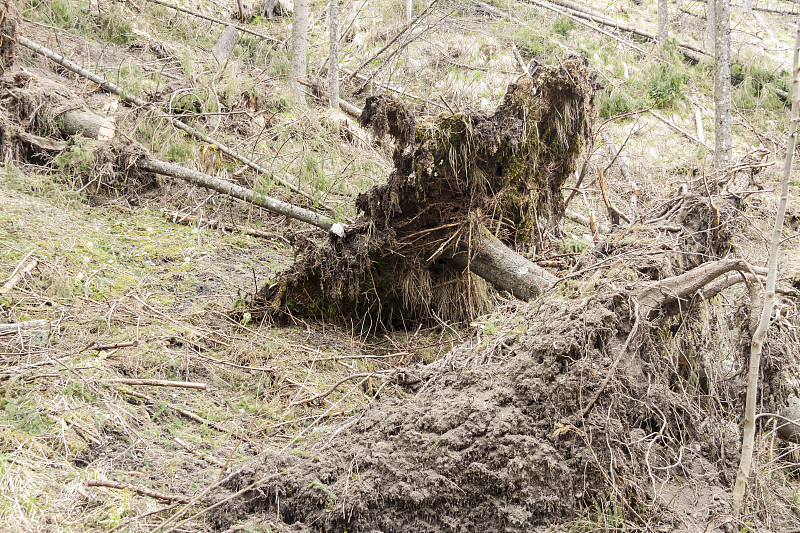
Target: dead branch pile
point(457, 177)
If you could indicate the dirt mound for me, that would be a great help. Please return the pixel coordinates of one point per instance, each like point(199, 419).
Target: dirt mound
point(454, 175)
point(519, 432)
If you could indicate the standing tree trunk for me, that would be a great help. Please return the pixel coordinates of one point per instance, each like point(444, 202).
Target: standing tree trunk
point(663, 21)
point(748, 437)
point(333, 59)
point(711, 30)
point(722, 84)
point(297, 66)
point(409, 10)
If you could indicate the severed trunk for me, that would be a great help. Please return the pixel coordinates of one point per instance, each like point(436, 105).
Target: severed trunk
point(88, 124)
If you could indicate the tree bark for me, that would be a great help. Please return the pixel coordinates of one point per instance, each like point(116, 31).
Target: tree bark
point(711, 28)
point(409, 10)
point(88, 124)
point(333, 69)
point(722, 84)
point(297, 65)
point(504, 268)
point(663, 21)
point(748, 437)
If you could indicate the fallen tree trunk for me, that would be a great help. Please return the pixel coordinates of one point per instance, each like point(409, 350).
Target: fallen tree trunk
point(492, 260)
point(107, 85)
point(504, 268)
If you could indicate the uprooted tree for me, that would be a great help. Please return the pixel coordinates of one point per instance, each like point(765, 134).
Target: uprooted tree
point(576, 401)
point(467, 191)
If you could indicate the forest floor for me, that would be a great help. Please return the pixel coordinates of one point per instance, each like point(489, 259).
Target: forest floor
point(440, 426)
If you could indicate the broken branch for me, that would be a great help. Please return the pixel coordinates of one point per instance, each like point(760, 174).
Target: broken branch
point(139, 490)
point(18, 274)
point(158, 383)
point(236, 191)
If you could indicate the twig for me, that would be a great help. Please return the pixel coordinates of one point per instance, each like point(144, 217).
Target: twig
point(18, 274)
point(390, 87)
point(613, 369)
point(330, 390)
point(188, 220)
point(158, 383)
point(115, 345)
point(614, 213)
point(585, 221)
point(201, 455)
point(188, 414)
point(520, 61)
point(139, 517)
point(402, 32)
point(680, 130)
point(139, 490)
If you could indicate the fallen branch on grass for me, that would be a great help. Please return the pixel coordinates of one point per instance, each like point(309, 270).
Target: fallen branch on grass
point(189, 220)
point(158, 383)
point(236, 191)
point(19, 327)
point(19, 272)
point(139, 490)
point(691, 51)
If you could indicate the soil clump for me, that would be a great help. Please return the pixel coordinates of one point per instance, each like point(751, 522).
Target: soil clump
point(504, 436)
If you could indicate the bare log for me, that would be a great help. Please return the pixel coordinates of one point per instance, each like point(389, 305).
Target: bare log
point(88, 124)
point(19, 327)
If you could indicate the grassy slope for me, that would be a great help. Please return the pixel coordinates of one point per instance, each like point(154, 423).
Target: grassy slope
point(119, 272)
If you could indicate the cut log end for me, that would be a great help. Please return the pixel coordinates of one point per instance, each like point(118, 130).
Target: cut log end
point(88, 124)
